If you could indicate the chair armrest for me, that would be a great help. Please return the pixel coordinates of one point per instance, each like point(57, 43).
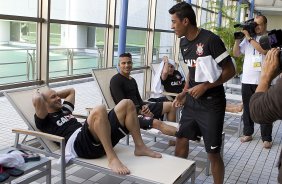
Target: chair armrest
point(169, 94)
point(88, 109)
point(40, 134)
point(82, 116)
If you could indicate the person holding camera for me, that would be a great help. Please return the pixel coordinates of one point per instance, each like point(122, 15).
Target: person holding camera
point(266, 102)
point(254, 55)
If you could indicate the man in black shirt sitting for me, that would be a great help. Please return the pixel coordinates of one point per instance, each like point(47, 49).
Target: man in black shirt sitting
point(123, 86)
point(100, 132)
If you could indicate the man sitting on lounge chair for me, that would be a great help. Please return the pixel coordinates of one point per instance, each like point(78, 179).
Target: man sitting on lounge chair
point(100, 132)
point(123, 86)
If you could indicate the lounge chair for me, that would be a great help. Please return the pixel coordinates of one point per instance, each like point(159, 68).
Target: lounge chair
point(103, 77)
point(143, 169)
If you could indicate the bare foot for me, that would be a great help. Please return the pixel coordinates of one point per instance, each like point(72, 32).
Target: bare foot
point(145, 151)
point(118, 167)
point(235, 108)
point(246, 138)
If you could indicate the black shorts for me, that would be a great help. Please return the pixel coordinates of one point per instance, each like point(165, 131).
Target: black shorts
point(156, 108)
point(86, 146)
point(203, 117)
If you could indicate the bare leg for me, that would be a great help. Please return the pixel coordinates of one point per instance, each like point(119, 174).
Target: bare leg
point(126, 114)
point(182, 147)
point(99, 127)
point(217, 167)
point(164, 128)
point(170, 111)
point(234, 107)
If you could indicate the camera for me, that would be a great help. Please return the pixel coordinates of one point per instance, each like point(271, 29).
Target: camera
point(248, 25)
point(271, 40)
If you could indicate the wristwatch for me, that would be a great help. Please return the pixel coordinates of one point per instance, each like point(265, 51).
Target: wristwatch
point(250, 39)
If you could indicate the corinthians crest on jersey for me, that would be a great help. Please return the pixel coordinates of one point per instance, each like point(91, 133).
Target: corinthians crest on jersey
point(200, 49)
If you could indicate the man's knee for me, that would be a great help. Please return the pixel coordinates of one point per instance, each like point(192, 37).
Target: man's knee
point(127, 104)
point(97, 113)
point(167, 106)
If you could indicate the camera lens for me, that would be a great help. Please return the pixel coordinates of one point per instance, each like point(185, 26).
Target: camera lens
point(264, 42)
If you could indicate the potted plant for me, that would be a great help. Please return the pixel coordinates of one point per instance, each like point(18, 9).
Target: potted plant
point(226, 32)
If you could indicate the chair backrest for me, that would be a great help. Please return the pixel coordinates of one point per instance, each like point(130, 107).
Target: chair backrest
point(155, 67)
point(103, 78)
point(21, 100)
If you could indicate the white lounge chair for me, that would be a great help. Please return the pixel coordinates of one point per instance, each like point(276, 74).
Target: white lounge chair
point(143, 169)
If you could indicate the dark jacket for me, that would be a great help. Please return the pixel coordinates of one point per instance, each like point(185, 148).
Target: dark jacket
point(267, 108)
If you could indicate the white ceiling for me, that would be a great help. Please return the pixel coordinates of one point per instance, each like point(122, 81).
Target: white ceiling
point(269, 7)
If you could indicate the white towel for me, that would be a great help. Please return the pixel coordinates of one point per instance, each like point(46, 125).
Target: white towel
point(207, 69)
point(157, 83)
point(69, 149)
point(13, 159)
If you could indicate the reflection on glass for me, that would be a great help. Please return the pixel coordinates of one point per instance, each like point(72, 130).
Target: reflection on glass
point(163, 45)
point(163, 18)
point(137, 13)
point(75, 49)
point(204, 17)
point(26, 8)
point(135, 44)
point(93, 11)
point(17, 51)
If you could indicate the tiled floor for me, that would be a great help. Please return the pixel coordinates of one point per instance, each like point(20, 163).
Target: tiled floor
point(244, 163)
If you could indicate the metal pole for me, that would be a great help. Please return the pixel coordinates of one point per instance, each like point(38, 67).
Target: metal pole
point(238, 10)
point(122, 26)
point(219, 21)
point(33, 64)
point(252, 7)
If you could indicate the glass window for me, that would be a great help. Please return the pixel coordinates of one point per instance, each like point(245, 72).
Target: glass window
point(137, 13)
point(17, 51)
point(75, 49)
point(135, 44)
point(194, 2)
point(205, 3)
point(204, 17)
point(163, 18)
point(79, 10)
point(163, 45)
point(26, 8)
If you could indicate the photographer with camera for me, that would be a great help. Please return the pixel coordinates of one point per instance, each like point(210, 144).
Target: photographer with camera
point(266, 103)
point(254, 55)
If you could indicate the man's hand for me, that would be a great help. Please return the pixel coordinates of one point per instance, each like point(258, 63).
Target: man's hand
point(270, 70)
point(270, 67)
point(246, 33)
point(39, 104)
point(197, 91)
point(165, 59)
point(179, 99)
point(146, 111)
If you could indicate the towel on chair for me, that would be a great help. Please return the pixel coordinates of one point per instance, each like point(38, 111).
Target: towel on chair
point(207, 69)
point(157, 83)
